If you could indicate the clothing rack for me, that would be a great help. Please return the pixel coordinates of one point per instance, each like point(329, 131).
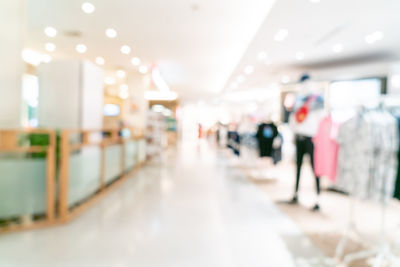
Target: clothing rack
point(383, 252)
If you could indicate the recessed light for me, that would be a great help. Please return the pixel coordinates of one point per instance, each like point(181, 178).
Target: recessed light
point(240, 78)
point(315, 1)
point(374, 37)
point(100, 61)
point(121, 74)
point(285, 79)
point(81, 48)
point(281, 35)
point(50, 31)
point(88, 8)
point(143, 69)
point(299, 55)
point(337, 48)
point(50, 47)
point(46, 58)
point(124, 95)
point(262, 56)
point(135, 61)
point(125, 49)
point(109, 80)
point(249, 69)
point(111, 33)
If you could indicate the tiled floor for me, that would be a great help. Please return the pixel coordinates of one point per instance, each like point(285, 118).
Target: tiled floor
point(190, 209)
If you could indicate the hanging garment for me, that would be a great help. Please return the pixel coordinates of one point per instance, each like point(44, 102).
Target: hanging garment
point(266, 134)
point(385, 143)
point(304, 145)
point(234, 142)
point(326, 148)
point(354, 156)
point(277, 149)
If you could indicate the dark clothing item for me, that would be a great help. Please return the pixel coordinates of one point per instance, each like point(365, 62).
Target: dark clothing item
point(266, 134)
point(397, 185)
point(277, 151)
point(234, 142)
point(304, 145)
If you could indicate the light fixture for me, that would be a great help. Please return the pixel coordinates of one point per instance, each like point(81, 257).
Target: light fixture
point(46, 58)
point(240, 79)
point(374, 37)
point(100, 61)
point(109, 80)
point(285, 79)
point(50, 47)
point(281, 35)
point(125, 49)
point(337, 48)
point(315, 1)
point(32, 57)
point(135, 61)
point(81, 48)
point(299, 55)
point(262, 56)
point(160, 96)
point(143, 69)
point(124, 95)
point(88, 8)
point(249, 69)
point(111, 33)
point(50, 31)
point(121, 74)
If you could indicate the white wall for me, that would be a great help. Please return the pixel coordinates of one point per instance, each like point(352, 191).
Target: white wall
point(70, 95)
point(11, 66)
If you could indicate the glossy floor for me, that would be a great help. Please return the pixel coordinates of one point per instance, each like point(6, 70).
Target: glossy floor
point(189, 209)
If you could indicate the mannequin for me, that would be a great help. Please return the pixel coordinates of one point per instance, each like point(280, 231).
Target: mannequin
point(304, 121)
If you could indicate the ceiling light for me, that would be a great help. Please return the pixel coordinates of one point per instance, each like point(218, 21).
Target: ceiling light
point(81, 48)
point(374, 37)
point(249, 69)
point(111, 33)
point(100, 61)
point(46, 58)
point(32, 57)
point(299, 55)
point(50, 31)
point(337, 48)
point(314, 1)
point(262, 56)
point(135, 61)
point(88, 8)
point(143, 69)
point(240, 79)
point(121, 74)
point(285, 79)
point(109, 80)
point(50, 47)
point(281, 35)
point(125, 49)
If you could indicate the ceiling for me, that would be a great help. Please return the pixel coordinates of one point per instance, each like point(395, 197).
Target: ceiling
point(195, 43)
point(313, 29)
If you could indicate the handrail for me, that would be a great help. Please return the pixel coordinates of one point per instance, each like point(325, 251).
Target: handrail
point(9, 143)
point(102, 138)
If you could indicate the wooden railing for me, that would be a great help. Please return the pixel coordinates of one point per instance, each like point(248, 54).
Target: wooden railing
point(10, 142)
point(58, 209)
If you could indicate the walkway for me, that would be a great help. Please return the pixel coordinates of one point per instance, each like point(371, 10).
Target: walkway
point(189, 210)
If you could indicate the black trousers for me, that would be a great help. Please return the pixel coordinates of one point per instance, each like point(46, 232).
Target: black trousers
point(304, 145)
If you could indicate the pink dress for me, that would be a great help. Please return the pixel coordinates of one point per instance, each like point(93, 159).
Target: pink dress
point(326, 148)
